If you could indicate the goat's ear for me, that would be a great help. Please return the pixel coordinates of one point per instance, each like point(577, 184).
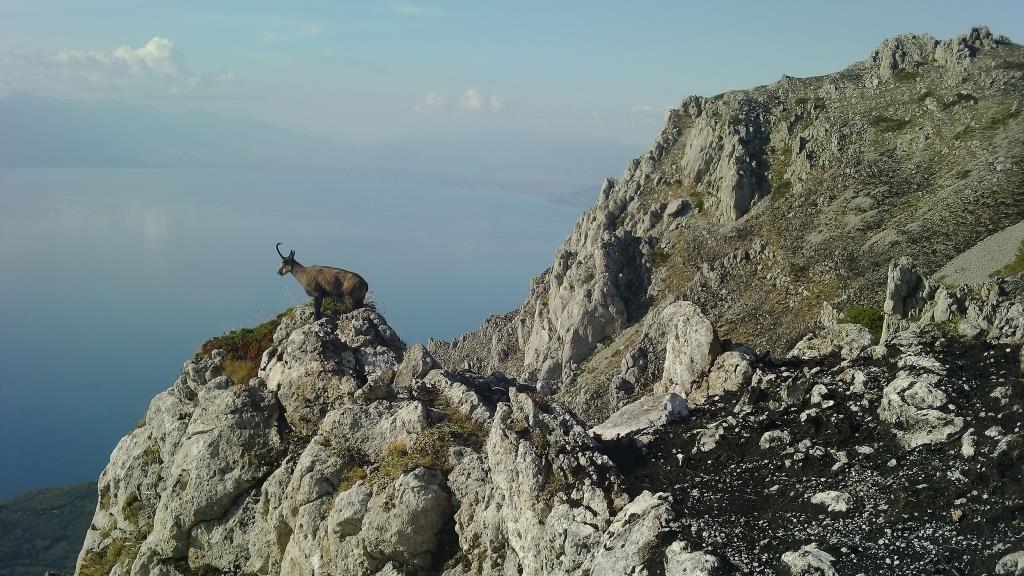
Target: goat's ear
point(291, 254)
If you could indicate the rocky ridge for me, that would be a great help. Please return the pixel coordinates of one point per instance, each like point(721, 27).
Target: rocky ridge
point(761, 205)
point(352, 454)
point(638, 414)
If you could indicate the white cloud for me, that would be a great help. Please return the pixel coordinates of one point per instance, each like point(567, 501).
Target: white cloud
point(472, 100)
point(431, 101)
point(156, 67)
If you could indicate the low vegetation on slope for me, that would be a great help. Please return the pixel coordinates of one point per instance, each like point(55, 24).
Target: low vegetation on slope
point(43, 529)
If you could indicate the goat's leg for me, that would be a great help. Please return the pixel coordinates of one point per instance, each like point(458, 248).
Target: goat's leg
point(317, 301)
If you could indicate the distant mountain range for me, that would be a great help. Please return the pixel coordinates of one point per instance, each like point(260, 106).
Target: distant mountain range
point(38, 131)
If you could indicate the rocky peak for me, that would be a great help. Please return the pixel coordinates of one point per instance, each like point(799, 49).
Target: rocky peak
point(760, 206)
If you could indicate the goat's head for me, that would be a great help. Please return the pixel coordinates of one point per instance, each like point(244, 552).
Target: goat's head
point(287, 262)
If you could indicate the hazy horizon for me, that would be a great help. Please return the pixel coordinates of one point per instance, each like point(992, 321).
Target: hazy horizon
point(151, 155)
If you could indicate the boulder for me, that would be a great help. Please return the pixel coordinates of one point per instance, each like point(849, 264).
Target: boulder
point(691, 349)
point(644, 415)
point(416, 363)
point(912, 404)
point(731, 372)
point(774, 438)
point(907, 291)
point(809, 561)
point(1011, 565)
point(631, 540)
point(833, 500)
point(845, 340)
point(680, 561)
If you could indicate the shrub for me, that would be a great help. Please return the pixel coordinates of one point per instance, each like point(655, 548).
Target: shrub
point(959, 99)
point(243, 348)
point(905, 75)
point(868, 317)
point(781, 188)
point(888, 123)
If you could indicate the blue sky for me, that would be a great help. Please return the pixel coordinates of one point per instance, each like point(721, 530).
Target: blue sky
point(377, 71)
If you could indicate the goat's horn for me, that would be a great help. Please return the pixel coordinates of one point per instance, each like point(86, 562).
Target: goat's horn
point(278, 248)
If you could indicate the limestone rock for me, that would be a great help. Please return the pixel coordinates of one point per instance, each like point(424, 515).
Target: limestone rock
point(644, 415)
point(416, 363)
point(832, 500)
point(405, 521)
point(679, 561)
point(904, 52)
point(731, 372)
point(907, 291)
point(809, 561)
point(1012, 564)
point(846, 340)
point(631, 539)
point(691, 349)
point(774, 438)
point(912, 404)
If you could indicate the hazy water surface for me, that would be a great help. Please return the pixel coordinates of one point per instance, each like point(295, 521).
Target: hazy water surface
point(112, 278)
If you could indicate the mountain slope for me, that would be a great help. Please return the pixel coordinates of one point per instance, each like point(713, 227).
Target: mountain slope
point(763, 205)
point(42, 530)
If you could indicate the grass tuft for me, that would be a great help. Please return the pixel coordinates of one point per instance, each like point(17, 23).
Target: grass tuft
point(867, 316)
point(888, 123)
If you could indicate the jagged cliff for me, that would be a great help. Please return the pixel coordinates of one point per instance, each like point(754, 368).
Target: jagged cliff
point(639, 414)
point(761, 205)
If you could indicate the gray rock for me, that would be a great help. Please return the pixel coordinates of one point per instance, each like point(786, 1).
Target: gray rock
point(846, 340)
point(346, 517)
point(1012, 564)
point(707, 439)
point(731, 372)
point(630, 541)
point(968, 444)
point(644, 415)
point(691, 349)
point(911, 404)
point(833, 500)
point(774, 438)
point(404, 522)
point(809, 561)
point(459, 397)
point(374, 427)
point(904, 52)
point(679, 561)
point(416, 364)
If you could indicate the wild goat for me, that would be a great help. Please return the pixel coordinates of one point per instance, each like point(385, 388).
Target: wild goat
point(322, 282)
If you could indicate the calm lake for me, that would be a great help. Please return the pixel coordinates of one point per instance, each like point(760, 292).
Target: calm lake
point(111, 279)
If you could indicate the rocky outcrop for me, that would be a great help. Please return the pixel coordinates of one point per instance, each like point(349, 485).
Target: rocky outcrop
point(644, 415)
point(760, 206)
point(691, 349)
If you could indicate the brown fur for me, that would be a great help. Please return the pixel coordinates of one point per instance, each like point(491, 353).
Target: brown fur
point(321, 282)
